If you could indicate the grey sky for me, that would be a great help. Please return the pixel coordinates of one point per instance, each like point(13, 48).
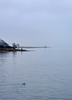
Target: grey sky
point(36, 22)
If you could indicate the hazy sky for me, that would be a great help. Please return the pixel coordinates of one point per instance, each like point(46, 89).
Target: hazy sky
point(36, 22)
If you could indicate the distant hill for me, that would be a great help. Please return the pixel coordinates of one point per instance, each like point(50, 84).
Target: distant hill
point(3, 44)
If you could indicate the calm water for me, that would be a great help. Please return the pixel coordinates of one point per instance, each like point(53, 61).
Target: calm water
point(46, 72)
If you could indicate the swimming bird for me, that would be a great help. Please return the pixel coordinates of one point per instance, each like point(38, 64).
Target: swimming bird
point(23, 83)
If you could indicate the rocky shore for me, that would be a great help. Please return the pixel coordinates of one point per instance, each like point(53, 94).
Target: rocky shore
point(10, 49)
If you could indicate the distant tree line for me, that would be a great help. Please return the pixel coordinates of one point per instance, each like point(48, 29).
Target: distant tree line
point(14, 45)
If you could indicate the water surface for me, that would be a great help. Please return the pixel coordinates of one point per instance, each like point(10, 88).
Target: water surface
point(46, 72)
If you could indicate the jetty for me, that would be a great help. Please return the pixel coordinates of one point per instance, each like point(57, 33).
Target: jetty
point(34, 47)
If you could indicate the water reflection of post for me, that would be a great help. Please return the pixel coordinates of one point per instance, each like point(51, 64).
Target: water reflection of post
point(14, 53)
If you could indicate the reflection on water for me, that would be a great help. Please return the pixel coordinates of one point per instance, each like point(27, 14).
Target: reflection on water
point(47, 74)
point(4, 59)
point(2, 67)
point(14, 53)
point(3, 56)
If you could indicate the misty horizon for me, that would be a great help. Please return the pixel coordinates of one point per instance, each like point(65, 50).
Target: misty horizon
point(36, 22)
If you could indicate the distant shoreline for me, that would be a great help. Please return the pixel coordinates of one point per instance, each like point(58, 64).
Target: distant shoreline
point(20, 49)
